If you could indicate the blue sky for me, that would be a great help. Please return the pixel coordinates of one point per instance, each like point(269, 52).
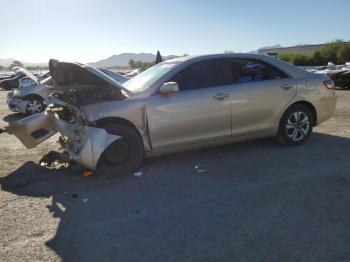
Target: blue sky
point(89, 30)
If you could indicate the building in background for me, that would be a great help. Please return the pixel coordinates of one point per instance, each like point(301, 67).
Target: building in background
point(308, 50)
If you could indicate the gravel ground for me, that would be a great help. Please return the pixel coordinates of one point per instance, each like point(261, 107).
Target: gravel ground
point(256, 201)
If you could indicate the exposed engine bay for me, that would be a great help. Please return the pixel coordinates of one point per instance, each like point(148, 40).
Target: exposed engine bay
point(80, 95)
point(76, 85)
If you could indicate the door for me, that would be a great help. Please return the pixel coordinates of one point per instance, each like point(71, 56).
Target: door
point(199, 112)
point(260, 93)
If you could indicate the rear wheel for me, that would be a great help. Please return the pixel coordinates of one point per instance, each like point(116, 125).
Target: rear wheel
point(34, 106)
point(295, 126)
point(124, 155)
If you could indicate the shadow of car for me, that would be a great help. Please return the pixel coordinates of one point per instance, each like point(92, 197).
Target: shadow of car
point(255, 201)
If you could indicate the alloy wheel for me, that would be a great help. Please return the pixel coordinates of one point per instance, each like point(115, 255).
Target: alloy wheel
point(34, 106)
point(298, 126)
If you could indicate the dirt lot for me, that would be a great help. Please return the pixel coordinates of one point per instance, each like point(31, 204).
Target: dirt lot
point(257, 201)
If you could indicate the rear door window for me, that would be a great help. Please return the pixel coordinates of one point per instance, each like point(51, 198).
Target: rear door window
point(203, 74)
point(246, 71)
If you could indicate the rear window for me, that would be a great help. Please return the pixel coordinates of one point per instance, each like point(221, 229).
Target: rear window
point(245, 71)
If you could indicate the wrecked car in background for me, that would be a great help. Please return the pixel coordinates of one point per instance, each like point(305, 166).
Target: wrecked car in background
point(27, 81)
point(31, 95)
point(181, 104)
point(339, 74)
point(30, 98)
point(11, 82)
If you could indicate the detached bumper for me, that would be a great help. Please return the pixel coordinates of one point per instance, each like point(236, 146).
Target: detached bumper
point(84, 144)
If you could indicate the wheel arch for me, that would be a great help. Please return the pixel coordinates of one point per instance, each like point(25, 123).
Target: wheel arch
point(101, 123)
point(34, 96)
point(308, 105)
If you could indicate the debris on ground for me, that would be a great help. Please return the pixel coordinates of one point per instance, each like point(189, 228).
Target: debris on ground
point(53, 159)
point(200, 169)
point(138, 174)
point(87, 173)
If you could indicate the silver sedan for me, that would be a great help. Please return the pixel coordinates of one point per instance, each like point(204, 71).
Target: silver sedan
point(180, 104)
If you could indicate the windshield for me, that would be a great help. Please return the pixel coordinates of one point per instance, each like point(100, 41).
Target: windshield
point(142, 81)
point(117, 77)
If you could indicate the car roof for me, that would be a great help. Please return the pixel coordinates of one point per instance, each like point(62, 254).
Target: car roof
point(287, 67)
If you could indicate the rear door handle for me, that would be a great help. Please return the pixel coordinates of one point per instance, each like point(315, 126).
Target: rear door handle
point(220, 96)
point(286, 86)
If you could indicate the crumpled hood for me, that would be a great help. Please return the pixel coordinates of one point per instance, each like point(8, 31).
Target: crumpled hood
point(71, 73)
point(27, 74)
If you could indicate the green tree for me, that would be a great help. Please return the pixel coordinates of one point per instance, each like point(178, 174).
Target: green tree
point(330, 50)
point(285, 57)
point(131, 63)
point(16, 63)
point(318, 59)
point(300, 60)
point(344, 52)
point(139, 64)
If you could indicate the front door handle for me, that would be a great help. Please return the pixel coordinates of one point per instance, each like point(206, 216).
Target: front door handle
point(220, 96)
point(286, 86)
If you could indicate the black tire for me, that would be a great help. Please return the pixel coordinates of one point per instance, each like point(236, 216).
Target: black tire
point(295, 125)
point(124, 155)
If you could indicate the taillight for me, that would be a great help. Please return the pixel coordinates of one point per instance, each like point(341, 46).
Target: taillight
point(329, 84)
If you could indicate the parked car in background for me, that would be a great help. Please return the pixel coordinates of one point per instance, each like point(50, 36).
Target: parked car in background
point(133, 73)
point(180, 104)
point(7, 75)
point(33, 92)
point(341, 77)
point(30, 98)
point(12, 82)
point(346, 66)
point(339, 74)
point(27, 81)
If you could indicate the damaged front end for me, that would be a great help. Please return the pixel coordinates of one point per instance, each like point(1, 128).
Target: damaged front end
point(77, 85)
point(80, 142)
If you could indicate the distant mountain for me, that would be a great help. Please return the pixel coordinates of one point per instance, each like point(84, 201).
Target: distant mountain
point(123, 59)
point(6, 62)
point(115, 60)
point(273, 46)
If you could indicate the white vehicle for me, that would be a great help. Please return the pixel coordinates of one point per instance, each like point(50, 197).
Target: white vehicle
point(33, 91)
point(29, 97)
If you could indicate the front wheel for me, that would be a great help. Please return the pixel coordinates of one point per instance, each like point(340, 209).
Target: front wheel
point(295, 126)
point(124, 155)
point(34, 106)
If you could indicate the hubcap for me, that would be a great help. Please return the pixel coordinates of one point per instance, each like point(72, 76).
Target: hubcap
point(298, 126)
point(34, 107)
point(118, 152)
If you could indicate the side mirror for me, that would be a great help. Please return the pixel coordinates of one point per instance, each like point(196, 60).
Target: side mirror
point(169, 88)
